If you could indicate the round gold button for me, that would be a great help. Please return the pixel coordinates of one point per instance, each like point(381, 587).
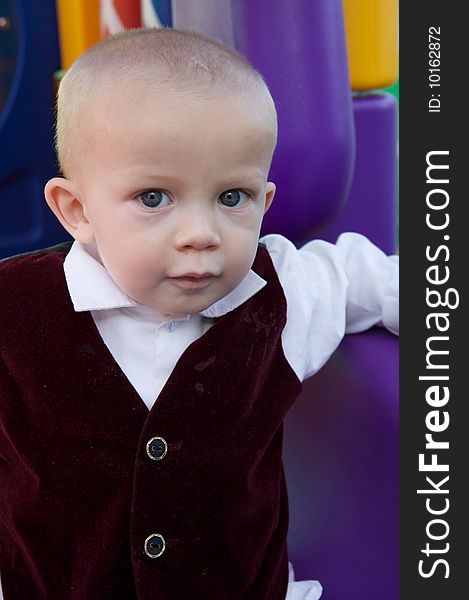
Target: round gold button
point(154, 545)
point(157, 448)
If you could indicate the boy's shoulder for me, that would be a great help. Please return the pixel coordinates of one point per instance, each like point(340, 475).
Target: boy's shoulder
point(61, 248)
point(27, 276)
point(12, 265)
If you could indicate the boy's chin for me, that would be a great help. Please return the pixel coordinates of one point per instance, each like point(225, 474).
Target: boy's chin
point(181, 307)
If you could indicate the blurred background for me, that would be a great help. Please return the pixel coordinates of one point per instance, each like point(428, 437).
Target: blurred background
point(332, 67)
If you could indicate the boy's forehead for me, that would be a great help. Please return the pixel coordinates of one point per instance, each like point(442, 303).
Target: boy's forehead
point(168, 105)
point(150, 125)
point(250, 91)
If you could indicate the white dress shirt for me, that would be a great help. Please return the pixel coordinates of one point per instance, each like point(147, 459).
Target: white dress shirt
point(330, 290)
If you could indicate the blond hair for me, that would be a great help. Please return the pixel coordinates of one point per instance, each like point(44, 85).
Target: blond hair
point(187, 62)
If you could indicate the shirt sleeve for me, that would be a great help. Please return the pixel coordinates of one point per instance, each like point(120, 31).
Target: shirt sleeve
point(331, 290)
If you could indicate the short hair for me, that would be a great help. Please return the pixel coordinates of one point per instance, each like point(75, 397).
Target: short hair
point(184, 61)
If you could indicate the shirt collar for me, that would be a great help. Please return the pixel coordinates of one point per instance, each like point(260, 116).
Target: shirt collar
point(92, 288)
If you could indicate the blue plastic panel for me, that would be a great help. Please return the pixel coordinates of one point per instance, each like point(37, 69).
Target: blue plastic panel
point(27, 157)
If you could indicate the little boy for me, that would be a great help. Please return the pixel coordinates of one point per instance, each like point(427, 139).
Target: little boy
point(146, 369)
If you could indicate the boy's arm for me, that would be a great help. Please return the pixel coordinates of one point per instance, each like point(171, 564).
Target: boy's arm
point(372, 280)
point(331, 290)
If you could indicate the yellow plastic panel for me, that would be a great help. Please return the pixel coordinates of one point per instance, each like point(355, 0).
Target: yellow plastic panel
point(78, 27)
point(372, 39)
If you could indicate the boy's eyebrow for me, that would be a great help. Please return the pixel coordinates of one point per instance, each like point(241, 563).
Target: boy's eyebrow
point(255, 175)
point(252, 176)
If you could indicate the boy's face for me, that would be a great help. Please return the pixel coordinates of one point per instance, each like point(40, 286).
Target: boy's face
point(174, 191)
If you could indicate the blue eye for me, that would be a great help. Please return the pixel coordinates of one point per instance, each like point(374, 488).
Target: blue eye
point(154, 199)
point(232, 198)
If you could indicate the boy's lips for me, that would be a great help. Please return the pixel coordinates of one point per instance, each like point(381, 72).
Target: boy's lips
point(193, 280)
point(193, 275)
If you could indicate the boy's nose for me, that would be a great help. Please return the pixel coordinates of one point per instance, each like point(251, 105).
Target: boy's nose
point(197, 231)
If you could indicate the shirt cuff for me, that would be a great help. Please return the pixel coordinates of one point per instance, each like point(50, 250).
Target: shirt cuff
point(390, 314)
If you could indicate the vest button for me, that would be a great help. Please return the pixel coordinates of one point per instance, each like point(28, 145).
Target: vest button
point(154, 545)
point(157, 448)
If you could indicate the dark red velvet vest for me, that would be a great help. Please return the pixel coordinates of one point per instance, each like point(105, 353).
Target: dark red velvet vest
point(80, 494)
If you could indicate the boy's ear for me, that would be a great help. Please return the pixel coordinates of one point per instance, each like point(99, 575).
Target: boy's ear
point(269, 195)
point(66, 204)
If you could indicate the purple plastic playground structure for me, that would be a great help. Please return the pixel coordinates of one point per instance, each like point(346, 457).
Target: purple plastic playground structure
point(341, 447)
